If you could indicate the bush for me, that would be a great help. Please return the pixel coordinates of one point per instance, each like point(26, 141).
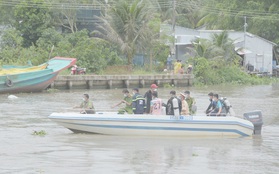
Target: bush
point(208, 72)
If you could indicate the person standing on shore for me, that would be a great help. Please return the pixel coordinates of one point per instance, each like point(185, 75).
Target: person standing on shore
point(177, 66)
point(148, 96)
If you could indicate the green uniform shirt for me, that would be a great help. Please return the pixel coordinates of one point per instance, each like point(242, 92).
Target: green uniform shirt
point(190, 102)
point(128, 108)
point(87, 105)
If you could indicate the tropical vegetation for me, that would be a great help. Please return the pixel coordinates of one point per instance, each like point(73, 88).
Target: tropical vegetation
point(36, 30)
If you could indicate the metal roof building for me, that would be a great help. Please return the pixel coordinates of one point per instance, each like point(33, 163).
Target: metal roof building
point(258, 52)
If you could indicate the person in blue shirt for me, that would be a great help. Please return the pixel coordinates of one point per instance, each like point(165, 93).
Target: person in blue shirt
point(217, 111)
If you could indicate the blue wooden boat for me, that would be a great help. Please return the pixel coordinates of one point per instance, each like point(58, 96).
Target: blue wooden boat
point(16, 79)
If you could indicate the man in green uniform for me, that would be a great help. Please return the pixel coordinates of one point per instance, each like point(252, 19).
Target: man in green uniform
point(86, 105)
point(191, 103)
point(128, 101)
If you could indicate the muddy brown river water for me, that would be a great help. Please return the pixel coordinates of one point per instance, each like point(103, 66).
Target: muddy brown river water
point(61, 151)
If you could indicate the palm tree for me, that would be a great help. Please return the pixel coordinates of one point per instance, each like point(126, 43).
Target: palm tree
point(220, 46)
point(225, 45)
point(126, 25)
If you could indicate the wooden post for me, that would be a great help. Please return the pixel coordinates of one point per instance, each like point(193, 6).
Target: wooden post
point(127, 83)
point(110, 84)
point(89, 84)
point(174, 82)
point(69, 84)
point(158, 82)
point(142, 83)
point(52, 85)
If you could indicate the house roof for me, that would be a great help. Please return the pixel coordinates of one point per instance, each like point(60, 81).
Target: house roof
point(184, 36)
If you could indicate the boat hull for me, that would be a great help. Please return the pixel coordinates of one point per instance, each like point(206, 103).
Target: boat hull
point(34, 81)
point(35, 84)
point(150, 125)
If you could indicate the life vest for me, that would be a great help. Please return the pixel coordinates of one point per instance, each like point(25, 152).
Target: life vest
point(138, 104)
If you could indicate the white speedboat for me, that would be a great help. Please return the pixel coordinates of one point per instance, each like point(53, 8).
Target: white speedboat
point(153, 125)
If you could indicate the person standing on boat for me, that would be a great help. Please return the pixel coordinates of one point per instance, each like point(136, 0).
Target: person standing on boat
point(156, 104)
point(173, 106)
point(128, 101)
point(191, 103)
point(148, 96)
point(138, 103)
point(184, 105)
point(217, 111)
point(86, 105)
point(212, 104)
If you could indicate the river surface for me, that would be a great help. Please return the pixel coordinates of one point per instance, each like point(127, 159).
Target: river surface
point(61, 151)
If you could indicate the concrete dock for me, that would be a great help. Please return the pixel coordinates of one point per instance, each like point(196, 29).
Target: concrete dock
point(120, 81)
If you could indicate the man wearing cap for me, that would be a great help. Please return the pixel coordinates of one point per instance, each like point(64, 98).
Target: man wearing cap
point(138, 103)
point(184, 105)
point(148, 96)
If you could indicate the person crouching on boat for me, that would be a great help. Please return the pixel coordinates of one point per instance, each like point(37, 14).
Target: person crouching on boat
point(128, 101)
point(212, 104)
point(138, 103)
point(217, 111)
point(86, 105)
point(173, 106)
point(156, 104)
point(184, 105)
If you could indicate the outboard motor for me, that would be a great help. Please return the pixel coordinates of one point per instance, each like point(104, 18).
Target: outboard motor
point(256, 118)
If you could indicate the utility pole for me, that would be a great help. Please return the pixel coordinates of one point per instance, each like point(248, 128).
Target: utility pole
point(245, 28)
point(173, 28)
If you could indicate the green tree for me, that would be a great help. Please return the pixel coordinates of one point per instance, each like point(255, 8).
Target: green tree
point(127, 26)
point(31, 19)
point(6, 13)
point(224, 46)
point(220, 48)
point(262, 16)
point(11, 38)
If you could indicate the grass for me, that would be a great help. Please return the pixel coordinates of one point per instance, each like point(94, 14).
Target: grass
point(39, 133)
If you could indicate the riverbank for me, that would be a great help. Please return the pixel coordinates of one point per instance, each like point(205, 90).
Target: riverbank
point(120, 81)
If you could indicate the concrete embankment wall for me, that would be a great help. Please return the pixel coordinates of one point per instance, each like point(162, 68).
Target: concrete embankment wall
point(120, 81)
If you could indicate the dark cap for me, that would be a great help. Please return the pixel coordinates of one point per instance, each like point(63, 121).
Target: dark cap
point(216, 95)
point(210, 94)
point(125, 91)
point(155, 94)
point(86, 95)
point(173, 92)
point(136, 89)
point(187, 92)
